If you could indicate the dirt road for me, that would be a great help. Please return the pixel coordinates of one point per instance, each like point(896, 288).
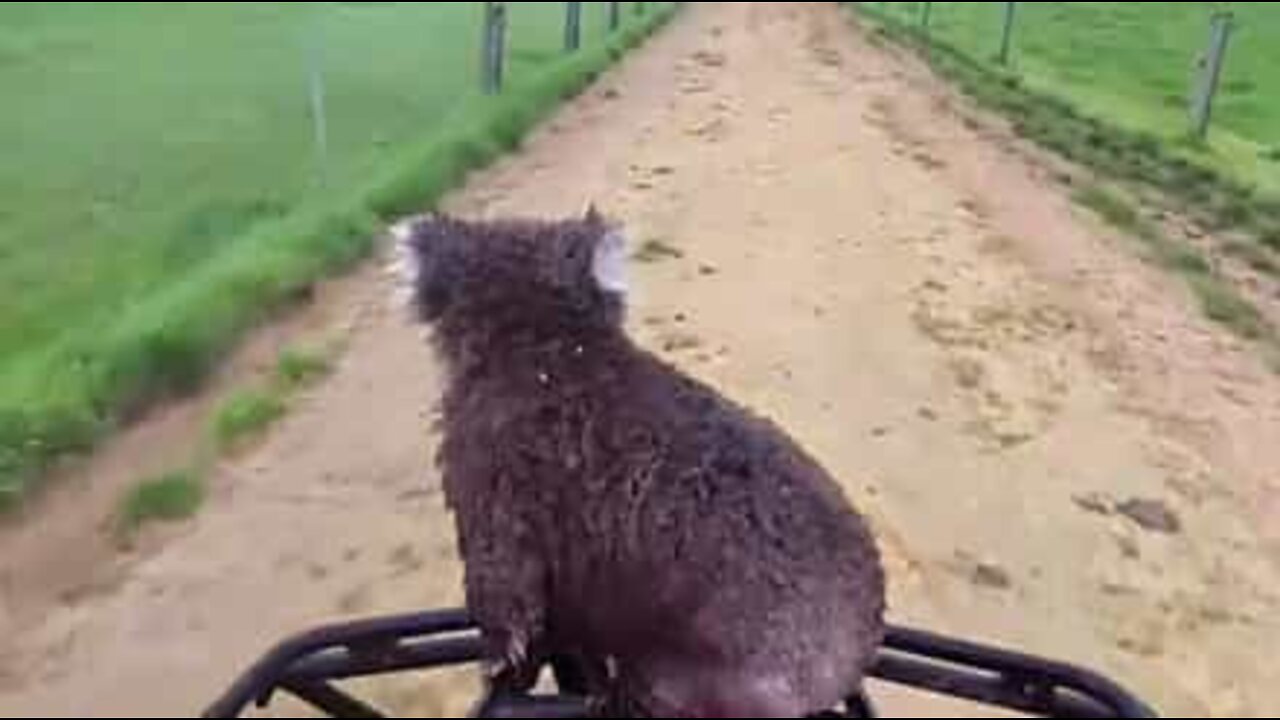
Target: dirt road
point(1059, 452)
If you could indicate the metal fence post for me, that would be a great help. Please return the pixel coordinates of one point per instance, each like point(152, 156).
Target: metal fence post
point(573, 26)
point(926, 15)
point(500, 47)
point(1210, 79)
point(1006, 39)
point(615, 16)
point(318, 91)
point(494, 47)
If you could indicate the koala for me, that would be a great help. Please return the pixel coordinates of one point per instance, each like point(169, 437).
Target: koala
point(684, 555)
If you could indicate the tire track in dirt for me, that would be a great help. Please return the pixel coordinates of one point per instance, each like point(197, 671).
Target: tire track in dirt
point(1058, 452)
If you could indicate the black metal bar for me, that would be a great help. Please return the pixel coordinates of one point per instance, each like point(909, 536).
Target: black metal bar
point(1011, 664)
point(352, 665)
point(306, 665)
point(988, 689)
point(334, 702)
point(267, 674)
point(862, 707)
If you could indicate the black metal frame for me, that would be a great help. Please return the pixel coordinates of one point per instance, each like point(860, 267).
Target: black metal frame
point(309, 666)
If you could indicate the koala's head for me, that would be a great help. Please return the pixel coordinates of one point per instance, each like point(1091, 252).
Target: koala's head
point(567, 274)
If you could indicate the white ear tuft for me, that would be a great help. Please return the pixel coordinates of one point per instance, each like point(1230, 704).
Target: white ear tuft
point(609, 266)
point(405, 267)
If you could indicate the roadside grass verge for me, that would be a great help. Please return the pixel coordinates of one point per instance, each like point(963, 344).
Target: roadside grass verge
point(65, 398)
point(1130, 159)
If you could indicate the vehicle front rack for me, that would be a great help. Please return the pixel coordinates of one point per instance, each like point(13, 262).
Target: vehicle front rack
point(310, 666)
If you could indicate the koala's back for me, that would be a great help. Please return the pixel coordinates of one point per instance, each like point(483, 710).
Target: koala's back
point(770, 572)
point(686, 540)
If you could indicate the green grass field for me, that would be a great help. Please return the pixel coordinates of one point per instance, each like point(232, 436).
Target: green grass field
point(1134, 63)
point(161, 190)
point(1108, 85)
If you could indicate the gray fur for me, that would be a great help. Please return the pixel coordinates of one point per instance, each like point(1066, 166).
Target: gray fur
point(689, 556)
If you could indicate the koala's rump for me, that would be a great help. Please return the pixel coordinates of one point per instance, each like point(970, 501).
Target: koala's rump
point(678, 530)
point(714, 539)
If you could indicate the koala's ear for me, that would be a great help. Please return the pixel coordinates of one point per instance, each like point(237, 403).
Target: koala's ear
point(609, 262)
point(416, 244)
point(405, 268)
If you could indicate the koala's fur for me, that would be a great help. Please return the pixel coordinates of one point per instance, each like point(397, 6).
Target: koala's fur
point(690, 557)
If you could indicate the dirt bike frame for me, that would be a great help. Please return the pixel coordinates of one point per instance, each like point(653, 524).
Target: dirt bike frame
point(309, 667)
